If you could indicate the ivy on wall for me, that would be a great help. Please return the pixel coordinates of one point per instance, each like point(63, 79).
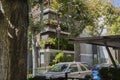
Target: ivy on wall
point(53, 43)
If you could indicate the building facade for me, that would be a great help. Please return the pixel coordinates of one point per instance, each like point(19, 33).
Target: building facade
point(51, 39)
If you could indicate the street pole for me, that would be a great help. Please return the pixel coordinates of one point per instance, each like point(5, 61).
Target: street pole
point(34, 55)
point(41, 13)
point(58, 30)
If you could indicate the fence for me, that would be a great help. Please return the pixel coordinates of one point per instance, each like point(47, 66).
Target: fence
point(60, 78)
point(43, 69)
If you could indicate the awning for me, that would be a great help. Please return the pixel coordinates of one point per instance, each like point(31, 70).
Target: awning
point(107, 41)
point(110, 41)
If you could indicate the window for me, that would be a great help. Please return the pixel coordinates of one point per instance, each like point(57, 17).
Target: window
point(58, 68)
point(64, 67)
point(45, 17)
point(88, 67)
point(84, 67)
point(73, 68)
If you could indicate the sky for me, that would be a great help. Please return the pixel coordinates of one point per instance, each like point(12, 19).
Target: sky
point(117, 3)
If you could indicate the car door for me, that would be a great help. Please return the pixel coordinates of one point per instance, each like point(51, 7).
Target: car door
point(84, 70)
point(74, 72)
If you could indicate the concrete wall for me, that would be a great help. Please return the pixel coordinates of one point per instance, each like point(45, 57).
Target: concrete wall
point(86, 53)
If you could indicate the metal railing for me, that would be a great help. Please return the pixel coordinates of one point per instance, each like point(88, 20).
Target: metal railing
point(66, 77)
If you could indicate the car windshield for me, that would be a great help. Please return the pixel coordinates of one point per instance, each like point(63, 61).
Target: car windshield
point(58, 68)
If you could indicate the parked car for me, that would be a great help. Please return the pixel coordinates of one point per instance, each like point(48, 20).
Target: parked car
point(118, 65)
point(73, 70)
point(96, 68)
point(99, 66)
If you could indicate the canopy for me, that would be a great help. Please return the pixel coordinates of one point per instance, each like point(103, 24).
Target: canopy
point(110, 41)
point(107, 41)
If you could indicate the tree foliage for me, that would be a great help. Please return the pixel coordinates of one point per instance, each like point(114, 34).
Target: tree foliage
point(60, 57)
point(33, 2)
point(105, 15)
point(113, 21)
point(115, 27)
point(77, 14)
point(55, 5)
point(50, 41)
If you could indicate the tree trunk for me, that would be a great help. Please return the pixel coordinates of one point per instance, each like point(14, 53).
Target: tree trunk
point(15, 35)
point(3, 48)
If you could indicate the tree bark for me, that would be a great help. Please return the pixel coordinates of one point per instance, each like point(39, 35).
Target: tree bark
point(15, 39)
point(3, 48)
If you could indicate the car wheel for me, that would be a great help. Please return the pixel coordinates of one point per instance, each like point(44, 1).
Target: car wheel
point(88, 77)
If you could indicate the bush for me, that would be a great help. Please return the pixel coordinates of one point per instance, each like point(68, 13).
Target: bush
point(29, 76)
point(110, 74)
point(36, 78)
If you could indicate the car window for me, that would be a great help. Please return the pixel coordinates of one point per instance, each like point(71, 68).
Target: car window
point(88, 67)
point(64, 67)
point(73, 68)
point(59, 68)
point(83, 68)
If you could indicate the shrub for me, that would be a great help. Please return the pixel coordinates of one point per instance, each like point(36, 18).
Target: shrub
point(110, 73)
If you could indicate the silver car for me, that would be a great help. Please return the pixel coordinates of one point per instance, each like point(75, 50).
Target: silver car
point(71, 70)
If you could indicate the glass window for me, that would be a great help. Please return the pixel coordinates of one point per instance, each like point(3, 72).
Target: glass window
point(73, 68)
point(45, 16)
point(87, 67)
point(53, 16)
point(82, 66)
point(59, 68)
point(42, 59)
